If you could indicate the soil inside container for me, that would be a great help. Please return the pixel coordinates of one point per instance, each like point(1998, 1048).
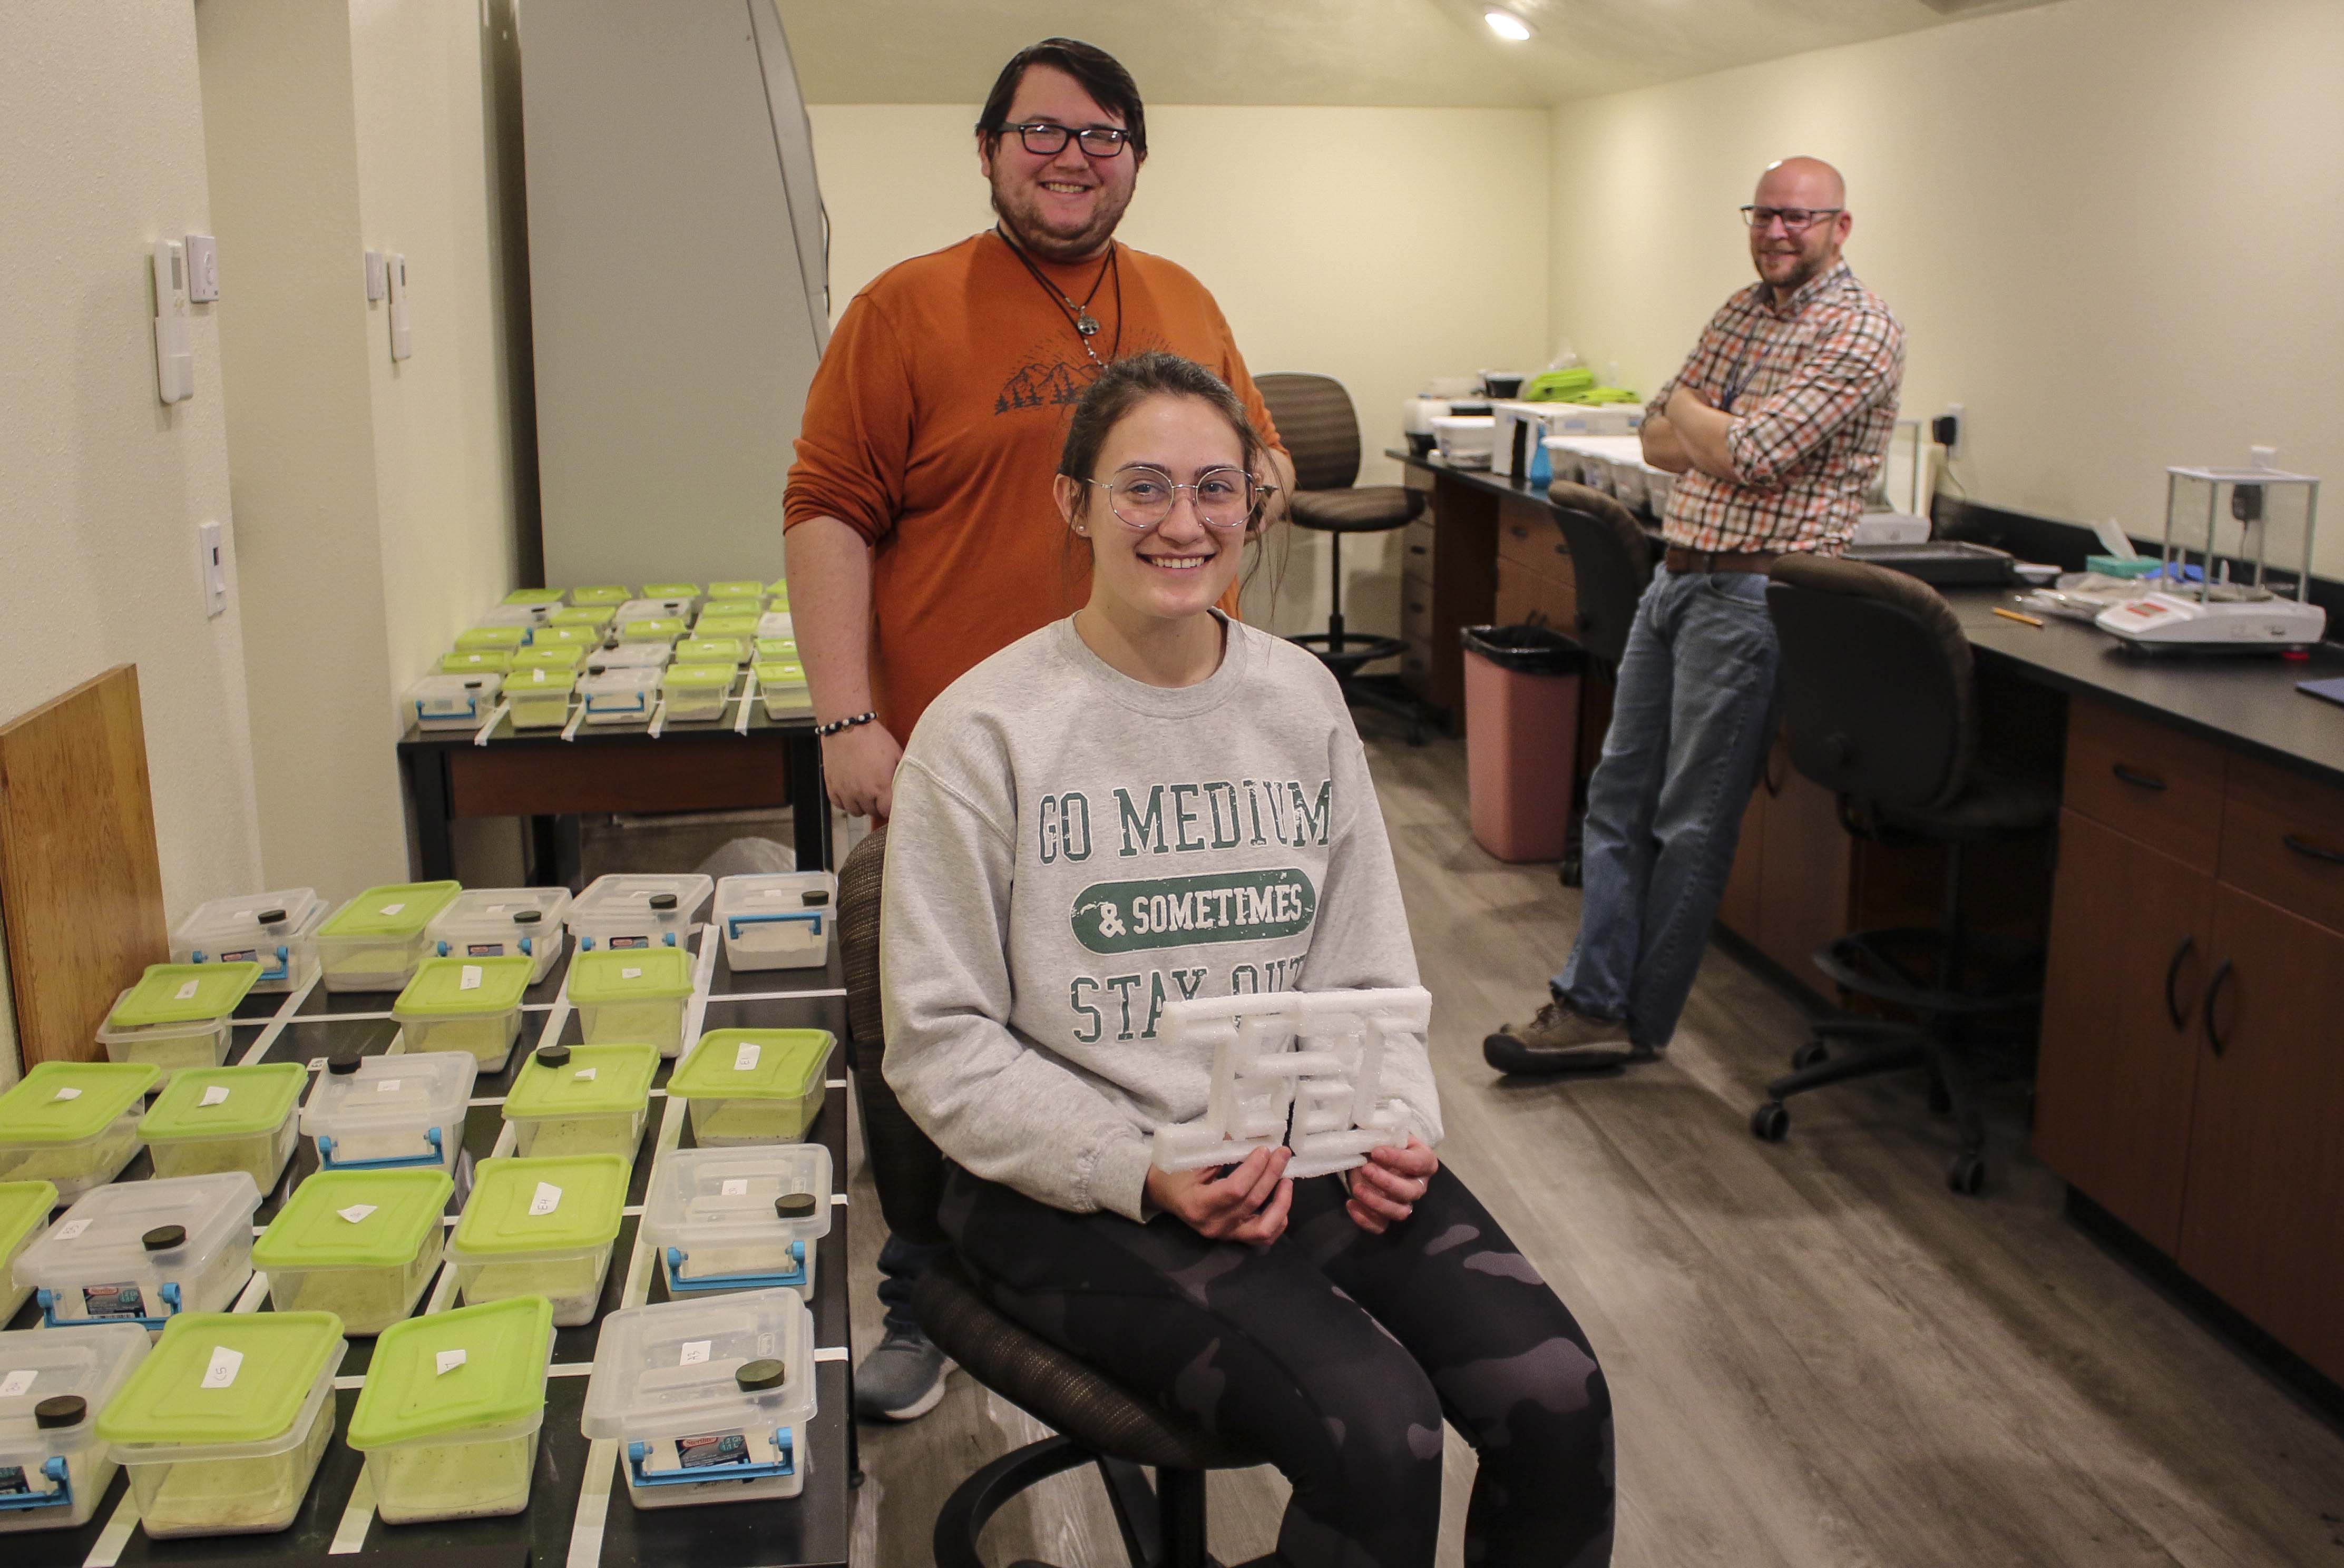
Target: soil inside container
point(73, 1167)
point(232, 1496)
point(453, 1480)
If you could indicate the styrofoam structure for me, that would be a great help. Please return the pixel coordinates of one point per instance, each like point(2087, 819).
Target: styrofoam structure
point(1315, 1055)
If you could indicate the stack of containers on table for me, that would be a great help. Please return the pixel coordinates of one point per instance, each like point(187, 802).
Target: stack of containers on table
point(276, 930)
point(146, 1252)
point(375, 941)
point(214, 1119)
point(74, 1124)
point(390, 1112)
point(177, 1015)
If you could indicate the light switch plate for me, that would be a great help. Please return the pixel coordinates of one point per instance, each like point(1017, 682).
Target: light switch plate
point(175, 360)
point(203, 268)
point(401, 341)
point(214, 568)
point(373, 274)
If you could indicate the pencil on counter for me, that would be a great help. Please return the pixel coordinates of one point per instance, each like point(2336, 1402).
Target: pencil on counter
point(2014, 615)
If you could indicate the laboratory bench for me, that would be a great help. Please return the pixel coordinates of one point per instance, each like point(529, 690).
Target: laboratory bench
point(2190, 1062)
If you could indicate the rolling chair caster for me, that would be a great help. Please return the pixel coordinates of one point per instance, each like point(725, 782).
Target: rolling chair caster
point(1569, 872)
point(1967, 1174)
point(1770, 1123)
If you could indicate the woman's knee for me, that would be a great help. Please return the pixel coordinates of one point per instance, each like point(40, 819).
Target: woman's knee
point(1379, 1436)
point(1548, 1400)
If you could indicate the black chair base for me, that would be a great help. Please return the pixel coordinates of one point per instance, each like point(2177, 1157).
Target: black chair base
point(1163, 1525)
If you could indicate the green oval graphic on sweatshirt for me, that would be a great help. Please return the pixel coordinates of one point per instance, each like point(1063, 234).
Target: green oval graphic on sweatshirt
point(1175, 912)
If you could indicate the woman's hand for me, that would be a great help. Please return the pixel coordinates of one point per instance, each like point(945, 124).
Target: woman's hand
point(1385, 1189)
point(1243, 1202)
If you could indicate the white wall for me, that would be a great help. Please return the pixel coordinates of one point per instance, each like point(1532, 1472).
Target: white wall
point(1380, 247)
point(2109, 225)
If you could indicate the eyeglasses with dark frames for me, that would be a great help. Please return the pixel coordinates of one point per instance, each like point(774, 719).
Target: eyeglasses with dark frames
point(1045, 139)
point(1795, 219)
point(1142, 498)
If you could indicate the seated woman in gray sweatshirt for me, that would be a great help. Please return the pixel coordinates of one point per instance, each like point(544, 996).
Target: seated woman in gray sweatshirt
point(1149, 745)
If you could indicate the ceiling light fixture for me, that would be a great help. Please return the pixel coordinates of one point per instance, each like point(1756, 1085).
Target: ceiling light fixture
point(1507, 26)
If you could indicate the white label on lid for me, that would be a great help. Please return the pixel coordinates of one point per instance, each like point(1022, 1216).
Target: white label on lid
point(746, 1056)
point(356, 1211)
point(223, 1369)
point(70, 1229)
point(735, 1187)
point(471, 977)
point(775, 893)
point(630, 974)
point(187, 992)
point(695, 1351)
point(216, 1094)
point(548, 1199)
point(385, 1085)
point(448, 1361)
point(584, 1073)
point(65, 1094)
point(16, 1383)
point(496, 909)
point(390, 909)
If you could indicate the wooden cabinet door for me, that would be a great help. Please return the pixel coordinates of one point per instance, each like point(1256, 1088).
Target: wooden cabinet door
point(2263, 1222)
point(2131, 948)
point(1803, 877)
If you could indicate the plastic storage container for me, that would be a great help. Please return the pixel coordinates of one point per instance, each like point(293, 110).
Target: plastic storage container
point(632, 656)
point(709, 1400)
point(620, 694)
point(1521, 729)
point(1466, 439)
point(638, 910)
point(177, 1016)
point(145, 1252)
point(222, 1426)
point(529, 617)
point(214, 1119)
point(539, 698)
point(476, 661)
point(373, 942)
point(482, 639)
point(754, 1085)
point(783, 685)
point(776, 920)
point(543, 599)
point(74, 1124)
point(752, 606)
point(727, 625)
point(697, 692)
point(649, 604)
point(360, 1244)
point(735, 587)
point(609, 595)
point(631, 996)
point(24, 1215)
point(593, 618)
point(503, 922)
point(448, 1415)
point(584, 640)
point(785, 648)
point(560, 653)
point(541, 1227)
point(777, 594)
point(453, 701)
point(582, 1099)
point(727, 1219)
point(730, 651)
point(54, 1471)
point(683, 592)
point(664, 628)
point(465, 1004)
point(276, 930)
point(389, 1112)
point(776, 622)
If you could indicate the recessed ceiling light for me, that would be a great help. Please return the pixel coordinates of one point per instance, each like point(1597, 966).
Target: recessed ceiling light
point(1507, 26)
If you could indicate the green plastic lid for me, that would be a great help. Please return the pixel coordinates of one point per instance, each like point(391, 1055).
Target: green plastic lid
point(550, 655)
point(393, 909)
point(242, 1101)
point(645, 627)
point(612, 594)
point(671, 591)
point(265, 1364)
point(458, 986)
point(476, 661)
point(23, 1205)
point(710, 650)
point(541, 681)
point(592, 617)
point(66, 1102)
point(354, 1220)
point(752, 1064)
point(699, 676)
point(780, 672)
point(483, 637)
point(578, 1197)
point(588, 1081)
point(630, 974)
point(723, 607)
point(534, 596)
point(584, 638)
point(725, 626)
point(183, 993)
point(736, 588)
point(780, 590)
point(500, 1379)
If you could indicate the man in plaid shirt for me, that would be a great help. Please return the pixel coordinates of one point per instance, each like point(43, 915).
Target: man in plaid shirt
point(1778, 423)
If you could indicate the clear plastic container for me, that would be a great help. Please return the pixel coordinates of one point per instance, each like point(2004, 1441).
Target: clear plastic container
point(582, 1099)
point(373, 942)
point(632, 656)
point(638, 910)
point(552, 653)
point(682, 595)
point(145, 1252)
point(603, 596)
point(486, 638)
point(448, 1416)
point(54, 1471)
point(539, 698)
point(541, 1227)
point(734, 607)
point(74, 1124)
point(783, 649)
point(177, 1016)
point(776, 622)
point(777, 594)
point(709, 1399)
point(539, 601)
point(23, 1216)
point(713, 626)
point(732, 650)
point(652, 606)
point(390, 1112)
point(621, 694)
point(754, 1085)
point(735, 588)
point(465, 1004)
point(697, 693)
point(724, 1220)
point(476, 661)
point(453, 701)
point(593, 617)
point(276, 930)
point(782, 683)
point(360, 1244)
point(222, 1426)
point(629, 995)
point(209, 1120)
point(777, 920)
point(503, 922)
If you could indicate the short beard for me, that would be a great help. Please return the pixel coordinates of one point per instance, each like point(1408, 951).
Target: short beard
point(1052, 247)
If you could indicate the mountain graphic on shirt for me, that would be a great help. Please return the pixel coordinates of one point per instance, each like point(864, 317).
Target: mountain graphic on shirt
point(1041, 387)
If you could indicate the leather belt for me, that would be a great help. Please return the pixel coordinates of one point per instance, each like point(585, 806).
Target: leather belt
point(1680, 559)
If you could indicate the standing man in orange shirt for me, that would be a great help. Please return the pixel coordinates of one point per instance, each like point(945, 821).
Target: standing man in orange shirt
point(923, 536)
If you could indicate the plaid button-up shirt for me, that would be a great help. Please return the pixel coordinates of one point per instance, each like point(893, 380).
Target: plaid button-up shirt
point(1812, 386)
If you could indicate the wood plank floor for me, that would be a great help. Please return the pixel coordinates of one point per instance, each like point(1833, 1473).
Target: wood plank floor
point(1819, 1356)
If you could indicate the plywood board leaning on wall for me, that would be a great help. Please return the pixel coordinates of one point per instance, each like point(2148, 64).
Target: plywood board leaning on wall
point(80, 883)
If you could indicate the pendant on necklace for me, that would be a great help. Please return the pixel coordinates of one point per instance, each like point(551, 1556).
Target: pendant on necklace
point(1087, 324)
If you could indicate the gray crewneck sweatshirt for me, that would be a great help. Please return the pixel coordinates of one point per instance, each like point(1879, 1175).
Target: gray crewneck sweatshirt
point(1071, 849)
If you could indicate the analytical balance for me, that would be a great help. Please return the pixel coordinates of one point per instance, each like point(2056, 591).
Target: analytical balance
point(2224, 611)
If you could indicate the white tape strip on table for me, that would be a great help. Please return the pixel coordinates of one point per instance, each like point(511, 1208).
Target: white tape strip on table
point(495, 716)
point(277, 1022)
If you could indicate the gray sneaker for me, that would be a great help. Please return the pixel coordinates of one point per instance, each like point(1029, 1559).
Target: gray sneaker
point(1561, 1041)
point(902, 1380)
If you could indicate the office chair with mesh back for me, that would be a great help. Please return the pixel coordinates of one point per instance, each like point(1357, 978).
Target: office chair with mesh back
point(1100, 1421)
point(1321, 432)
point(1879, 707)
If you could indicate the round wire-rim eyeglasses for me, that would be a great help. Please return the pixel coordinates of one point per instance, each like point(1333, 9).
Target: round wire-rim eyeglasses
point(1143, 497)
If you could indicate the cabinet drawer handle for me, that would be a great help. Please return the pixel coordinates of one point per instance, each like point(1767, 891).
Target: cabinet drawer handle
point(2134, 775)
point(2310, 850)
point(2214, 989)
point(2173, 1009)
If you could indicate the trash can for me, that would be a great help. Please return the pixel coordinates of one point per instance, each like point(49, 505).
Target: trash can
point(1521, 738)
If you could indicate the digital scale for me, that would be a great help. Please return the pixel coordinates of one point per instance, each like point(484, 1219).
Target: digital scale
point(2219, 614)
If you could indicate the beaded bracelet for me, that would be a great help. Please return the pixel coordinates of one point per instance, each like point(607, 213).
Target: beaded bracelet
point(839, 726)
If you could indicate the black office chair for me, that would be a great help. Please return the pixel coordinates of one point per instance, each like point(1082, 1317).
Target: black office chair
point(1879, 707)
point(1100, 1422)
point(1321, 432)
point(1611, 564)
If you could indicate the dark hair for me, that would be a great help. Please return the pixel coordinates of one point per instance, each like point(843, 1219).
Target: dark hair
point(1102, 75)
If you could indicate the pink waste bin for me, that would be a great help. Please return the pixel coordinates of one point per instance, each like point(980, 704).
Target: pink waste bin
point(1521, 738)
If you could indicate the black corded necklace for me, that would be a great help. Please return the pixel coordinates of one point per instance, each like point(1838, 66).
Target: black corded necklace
point(1079, 317)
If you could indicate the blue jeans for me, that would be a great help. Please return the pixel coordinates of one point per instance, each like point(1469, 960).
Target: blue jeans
point(1693, 716)
point(901, 1265)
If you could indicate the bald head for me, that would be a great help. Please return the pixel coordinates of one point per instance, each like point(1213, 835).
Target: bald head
point(1789, 254)
point(1802, 182)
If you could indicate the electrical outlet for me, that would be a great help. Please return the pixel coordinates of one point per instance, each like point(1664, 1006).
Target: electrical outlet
point(1946, 429)
point(203, 268)
point(213, 568)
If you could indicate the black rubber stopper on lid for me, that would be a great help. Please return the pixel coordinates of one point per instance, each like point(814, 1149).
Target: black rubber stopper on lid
point(662, 900)
point(762, 1373)
point(269, 916)
point(60, 1410)
point(817, 895)
point(554, 1055)
point(163, 1238)
point(342, 1066)
point(593, 670)
point(528, 916)
point(474, 684)
point(795, 1206)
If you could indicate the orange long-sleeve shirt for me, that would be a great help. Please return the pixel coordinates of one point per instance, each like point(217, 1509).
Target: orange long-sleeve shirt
point(932, 428)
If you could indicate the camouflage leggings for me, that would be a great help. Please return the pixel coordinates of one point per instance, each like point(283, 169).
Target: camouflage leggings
point(1334, 1354)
